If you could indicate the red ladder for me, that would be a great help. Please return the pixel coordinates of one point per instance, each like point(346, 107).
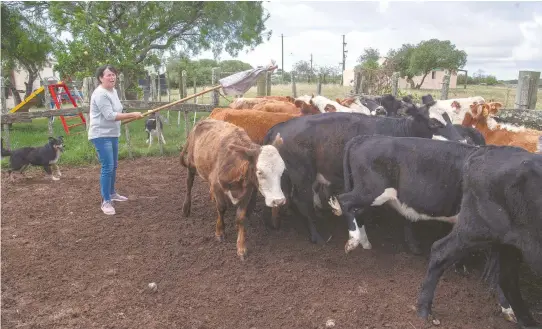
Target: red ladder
point(54, 96)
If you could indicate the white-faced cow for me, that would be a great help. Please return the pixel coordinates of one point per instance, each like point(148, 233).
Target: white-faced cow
point(236, 168)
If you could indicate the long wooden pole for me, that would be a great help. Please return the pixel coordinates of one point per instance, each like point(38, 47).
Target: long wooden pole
point(174, 103)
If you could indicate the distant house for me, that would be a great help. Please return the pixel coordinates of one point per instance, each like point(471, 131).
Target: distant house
point(432, 81)
point(20, 76)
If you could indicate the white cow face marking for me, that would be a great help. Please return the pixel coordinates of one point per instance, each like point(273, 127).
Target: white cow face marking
point(269, 169)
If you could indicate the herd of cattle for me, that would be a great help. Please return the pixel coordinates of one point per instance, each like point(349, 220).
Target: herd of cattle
point(445, 160)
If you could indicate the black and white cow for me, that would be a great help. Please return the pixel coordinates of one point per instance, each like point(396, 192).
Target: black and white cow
point(150, 128)
point(314, 145)
point(487, 196)
point(418, 177)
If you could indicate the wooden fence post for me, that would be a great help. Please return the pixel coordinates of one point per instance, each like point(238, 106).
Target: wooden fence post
point(159, 86)
point(526, 92)
point(395, 84)
point(260, 85)
point(186, 122)
point(87, 89)
point(214, 80)
point(268, 83)
point(319, 85)
point(294, 91)
point(357, 83)
point(48, 99)
point(445, 87)
point(154, 96)
point(168, 91)
point(180, 97)
point(195, 89)
point(159, 133)
point(126, 130)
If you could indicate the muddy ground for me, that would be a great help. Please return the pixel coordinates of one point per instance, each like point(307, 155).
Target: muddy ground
point(66, 265)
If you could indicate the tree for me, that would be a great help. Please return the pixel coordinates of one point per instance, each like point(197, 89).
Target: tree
point(132, 35)
point(369, 58)
point(434, 54)
point(25, 45)
point(399, 61)
point(234, 66)
point(303, 69)
point(328, 73)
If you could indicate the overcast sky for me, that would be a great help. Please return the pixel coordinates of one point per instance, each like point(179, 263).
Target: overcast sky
point(500, 38)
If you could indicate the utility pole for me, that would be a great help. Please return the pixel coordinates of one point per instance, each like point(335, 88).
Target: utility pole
point(310, 73)
point(282, 41)
point(343, 62)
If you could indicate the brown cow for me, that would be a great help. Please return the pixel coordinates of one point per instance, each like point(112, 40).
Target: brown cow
point(297, 108)
point(279, 98)
point(235, 168)
point(247, 103)
point(255, 123)
point(500, 134)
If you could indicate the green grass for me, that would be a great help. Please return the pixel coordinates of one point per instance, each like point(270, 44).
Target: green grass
point(79, 151)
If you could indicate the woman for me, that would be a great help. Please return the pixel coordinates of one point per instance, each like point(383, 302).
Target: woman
point(104, 131)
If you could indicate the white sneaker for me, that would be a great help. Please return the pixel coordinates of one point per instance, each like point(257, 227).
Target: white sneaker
point(118, 197)
point(107, 208)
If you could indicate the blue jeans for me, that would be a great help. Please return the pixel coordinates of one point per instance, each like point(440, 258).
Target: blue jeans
point(108, 153)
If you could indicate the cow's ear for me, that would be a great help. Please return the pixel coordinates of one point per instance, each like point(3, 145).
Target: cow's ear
point(278, 141)
point(330, 108)
point(290, 99)
point(248, 152)
point(485, 110)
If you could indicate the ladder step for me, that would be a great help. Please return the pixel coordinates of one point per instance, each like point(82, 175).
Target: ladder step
point(77, 124)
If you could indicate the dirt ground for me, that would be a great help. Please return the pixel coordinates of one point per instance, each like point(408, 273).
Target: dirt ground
point(66, 265)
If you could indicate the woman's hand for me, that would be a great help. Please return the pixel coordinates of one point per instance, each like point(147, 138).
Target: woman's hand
point(136, 115)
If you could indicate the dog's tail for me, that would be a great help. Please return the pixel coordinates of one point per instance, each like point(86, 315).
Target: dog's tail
point(5, 152)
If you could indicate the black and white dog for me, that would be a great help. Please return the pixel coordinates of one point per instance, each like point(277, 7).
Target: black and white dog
point(44, 156)
point(150, 128)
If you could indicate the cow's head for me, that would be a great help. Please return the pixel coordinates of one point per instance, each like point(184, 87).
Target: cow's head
point(305, 108)
point(327, 108)
point(374, 107)
point(265, 167)
point(391, 104)
point(437, 121)
point(478, 114)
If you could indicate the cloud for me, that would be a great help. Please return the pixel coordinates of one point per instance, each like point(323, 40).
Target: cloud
point(500, 38)
point(531, 47)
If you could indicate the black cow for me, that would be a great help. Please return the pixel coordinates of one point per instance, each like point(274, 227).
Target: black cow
point(314, 145)
point(430, 180)
point(501, 207)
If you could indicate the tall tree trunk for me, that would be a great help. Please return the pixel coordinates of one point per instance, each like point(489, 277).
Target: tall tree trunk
point(421, 82)
point(412, 83)
point(14, 92)
point(31, 78)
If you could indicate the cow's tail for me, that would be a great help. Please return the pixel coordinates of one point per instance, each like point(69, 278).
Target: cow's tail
point(184, 152)
point(347, 173)
point(490, 274)
point(5, 152)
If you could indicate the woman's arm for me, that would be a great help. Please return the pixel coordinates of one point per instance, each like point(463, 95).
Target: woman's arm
point(103, 103)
